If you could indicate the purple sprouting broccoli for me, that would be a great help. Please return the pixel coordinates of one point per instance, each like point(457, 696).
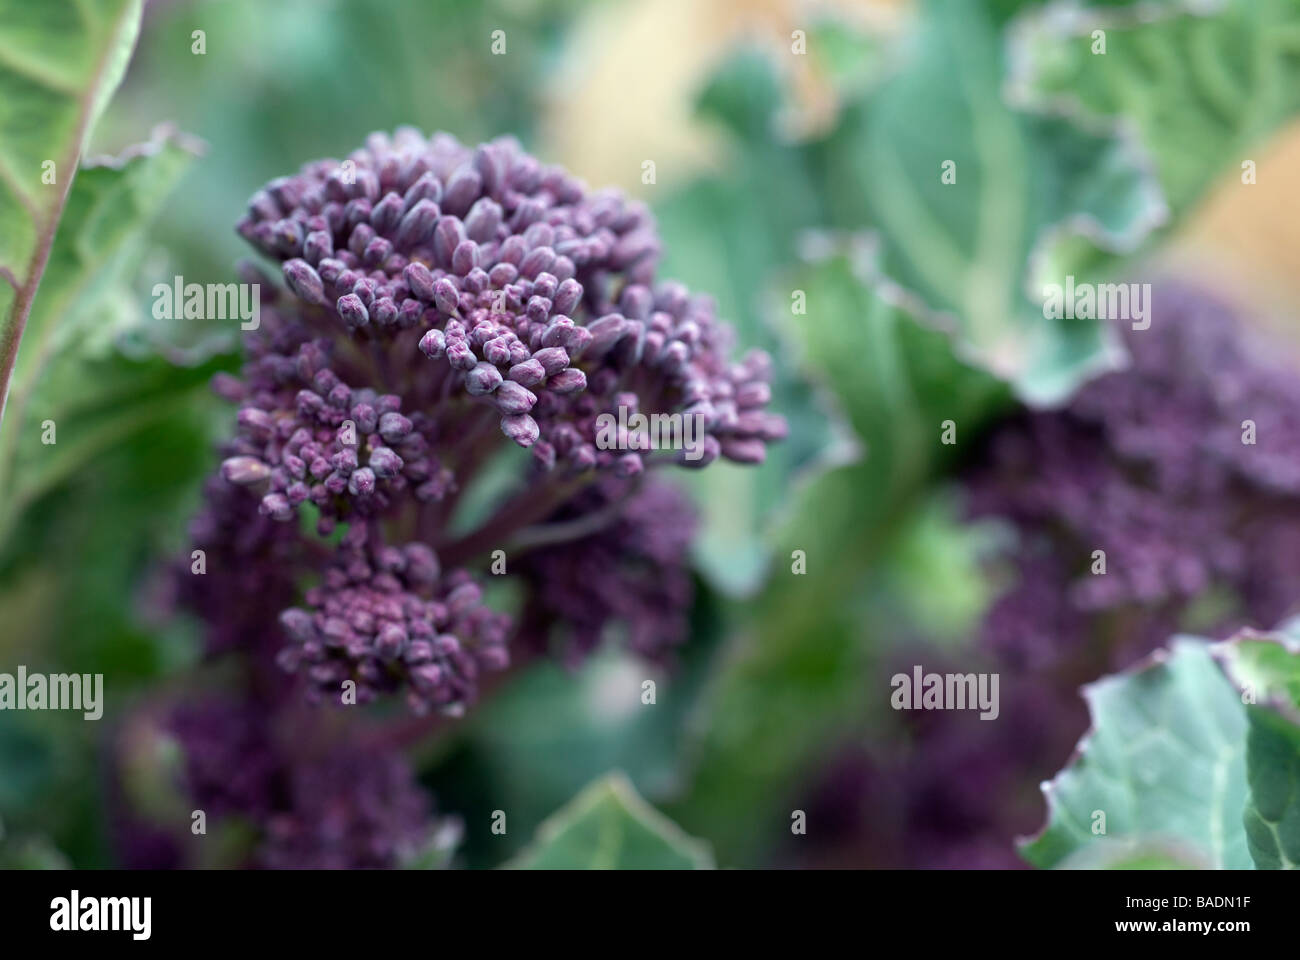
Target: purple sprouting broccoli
point(1183, 469)
point(281, 793)
point(446, 302)
point(446, 306)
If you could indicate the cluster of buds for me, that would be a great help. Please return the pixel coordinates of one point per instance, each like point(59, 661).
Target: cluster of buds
point(306, 436)
point(443, 296)
point(386, 618)
point(533, 296)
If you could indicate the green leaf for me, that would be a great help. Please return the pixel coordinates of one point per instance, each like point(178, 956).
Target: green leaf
point(70, 340)
point(1134, 853)
point(962, 251)
point(60, 61)
point(717, 240)
point(538, 740)
point(1202, 87)
point(609, 827)
point(797, 668)
point(1164, 761)
point(1266, 669)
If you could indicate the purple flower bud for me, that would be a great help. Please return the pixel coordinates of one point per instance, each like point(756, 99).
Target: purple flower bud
point(362, 482)
point(527, 374)
point(394, 427)
point(256, 421)
point(544, 455)
point(245, 471)
point(276, 506)
point(420, 280)
point(503, 274)
point(387, 213)
point(513, 398)
point(297, 623)
point(552, 359)
point(427, 187)
point(570, 380)
point(497, 350)
point(753, 394)
point(483, 220)
point(318, 246)
point(433, 344)
point(464, 598)
point(461, 355)
point(391, 641)
point(567, 296)
point(521, 428)
point(605, 332)
point(483, 379)
point(417, 225)
point(462, 190)
point(304, 281)
point(353, 311)
point(385, 463)
point(445, 295)
point(446, 238)
point(629, 465)
point(464, 258)
point(744, 451)
point(384, 312)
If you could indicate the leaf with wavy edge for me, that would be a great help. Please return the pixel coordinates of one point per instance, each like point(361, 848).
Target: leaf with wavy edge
point(111, 202)
point(1165, 760)
point(609, 827)
point(60, 61)
point(1266, 669)
point(1199, 84)
point(960, 252)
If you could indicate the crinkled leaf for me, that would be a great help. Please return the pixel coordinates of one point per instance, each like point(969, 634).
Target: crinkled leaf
point(67, 373)
point(609, 827)
point(60, 61)
point(1266, 669)
point(1165, 760)
point(1202, 84)
point(963, 250)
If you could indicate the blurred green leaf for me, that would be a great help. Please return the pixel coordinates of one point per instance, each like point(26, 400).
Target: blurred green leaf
point(609, 827)
point(281, 83)
point(722, 239)
point(1201, 85)
point(800, 669)
point(537, 741)
point(962, 250)
point(29, 853)
point(1165, 759)
point(1138, 853)
point(1266, 669)
point(68, 337)
point(60, 61)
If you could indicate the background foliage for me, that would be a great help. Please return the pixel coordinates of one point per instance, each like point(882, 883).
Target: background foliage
point(775, 173)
